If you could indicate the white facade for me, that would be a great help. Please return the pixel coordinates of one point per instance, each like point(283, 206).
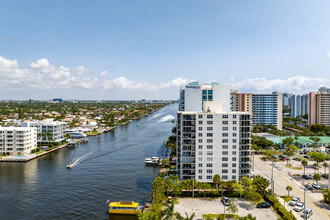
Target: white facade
point(194, 95)
point(17, 141)
point(48, 130)
point(212, 139)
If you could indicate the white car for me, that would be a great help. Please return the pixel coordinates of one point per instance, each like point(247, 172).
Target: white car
point(299, 207)
point(316, 186)
point(308, 213)
point(294, 201)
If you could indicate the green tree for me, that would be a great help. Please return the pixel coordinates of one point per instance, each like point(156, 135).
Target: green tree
point(290, 150)
point(67, 135)
point(168, 212)
point(251, 194)
point(260, 183)
point(315, 165)
point(325, 165)
point(288, 141)
point(238, 188)
point(289, 189)
point(180, 217)
point(248, 217)
point(304, 162)
point(315, 141)
point(317, 177)
point(326, 196)
point(217, 180)
point(246, 182)
point(318, 157)
point(232, 208)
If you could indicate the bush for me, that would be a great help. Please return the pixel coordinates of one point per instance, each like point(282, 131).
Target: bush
point(38, 149)
point(33, 151)
point(278, 207)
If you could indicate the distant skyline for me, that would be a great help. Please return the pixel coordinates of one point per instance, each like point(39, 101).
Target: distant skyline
point(118, 50)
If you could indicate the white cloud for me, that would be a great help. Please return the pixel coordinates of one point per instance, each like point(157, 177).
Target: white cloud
point(80, 70)
point(103, 74)
point(40, 64)
point(178, 82)
point(292, 84)
point(328, 53)
point(42, 75)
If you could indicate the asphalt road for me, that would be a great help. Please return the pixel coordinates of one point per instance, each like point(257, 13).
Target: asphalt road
point(282, 179)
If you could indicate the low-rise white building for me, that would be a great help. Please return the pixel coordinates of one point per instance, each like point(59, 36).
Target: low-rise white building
point(48, 130)
point(17, 141)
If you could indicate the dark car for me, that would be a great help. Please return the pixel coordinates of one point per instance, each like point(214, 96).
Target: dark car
point(263, 205)
point(301, 152)
point(326, 176)
point(307, 177)
point(309, 187)
point(306, 156)
point(225, 201)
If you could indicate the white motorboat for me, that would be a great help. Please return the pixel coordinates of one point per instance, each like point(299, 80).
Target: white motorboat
point(153, 161)
point(69, 166)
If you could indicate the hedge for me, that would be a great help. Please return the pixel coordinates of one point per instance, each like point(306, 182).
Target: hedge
point(279, 208)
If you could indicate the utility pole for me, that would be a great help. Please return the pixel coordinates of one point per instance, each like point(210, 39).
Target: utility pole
point(329, 178)
point(272, 183)
point(253, 161)
point(304, 188)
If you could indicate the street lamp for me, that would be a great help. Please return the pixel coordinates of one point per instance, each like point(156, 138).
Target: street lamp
point(304, 188)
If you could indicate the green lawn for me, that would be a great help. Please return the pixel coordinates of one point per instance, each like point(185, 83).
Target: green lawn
point(220, 216)
point(286, 198)
point(294, 168)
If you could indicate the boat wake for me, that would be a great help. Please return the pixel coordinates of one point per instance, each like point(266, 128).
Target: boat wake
point(166, 118)
point(81, 159)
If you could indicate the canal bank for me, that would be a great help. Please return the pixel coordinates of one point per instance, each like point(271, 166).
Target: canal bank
point(109, 167)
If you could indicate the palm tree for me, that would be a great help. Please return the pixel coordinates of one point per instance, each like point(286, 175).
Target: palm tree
point(217, 180)
point(289, 189)
point(180, 217)
point(304, 162)
point(325, 165)
point(315, 165)
point(168, 212)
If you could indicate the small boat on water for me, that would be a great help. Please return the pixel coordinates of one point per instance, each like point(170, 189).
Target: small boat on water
point(153, 161)
point(125, 208)
point(69, 166)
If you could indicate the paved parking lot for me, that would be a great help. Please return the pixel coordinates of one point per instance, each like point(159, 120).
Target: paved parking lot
point(201, 206)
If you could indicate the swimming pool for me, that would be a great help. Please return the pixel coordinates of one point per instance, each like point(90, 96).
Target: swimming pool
point(18, 157)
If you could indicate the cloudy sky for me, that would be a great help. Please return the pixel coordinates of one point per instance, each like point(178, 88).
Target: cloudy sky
point(128, 49)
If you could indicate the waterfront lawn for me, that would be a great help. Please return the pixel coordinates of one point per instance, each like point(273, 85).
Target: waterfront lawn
point(220, 216)
point(93, 133)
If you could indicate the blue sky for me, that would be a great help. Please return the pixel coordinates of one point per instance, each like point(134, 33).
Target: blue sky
point(147, 49)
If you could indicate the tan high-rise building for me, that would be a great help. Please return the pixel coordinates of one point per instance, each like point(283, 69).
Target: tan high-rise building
point(265, 108)
point(319, 108)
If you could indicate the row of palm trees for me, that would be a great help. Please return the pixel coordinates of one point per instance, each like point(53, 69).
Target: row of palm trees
point(48, 136)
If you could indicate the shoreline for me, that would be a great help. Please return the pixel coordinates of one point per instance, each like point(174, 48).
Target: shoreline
point(31, 157)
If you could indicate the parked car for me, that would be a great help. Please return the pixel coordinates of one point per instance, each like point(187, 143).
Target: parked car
point(263, 205)
point(316, 186)
point(294, 201)
point(299, 207)
point(307, 177)
point(282, 159)
point(308, 213)
point(282, 156)
point(275, 157)
point(301, 152)
point(309, 187)
point(306, 156)
point(225, 201)
point(326, 176)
